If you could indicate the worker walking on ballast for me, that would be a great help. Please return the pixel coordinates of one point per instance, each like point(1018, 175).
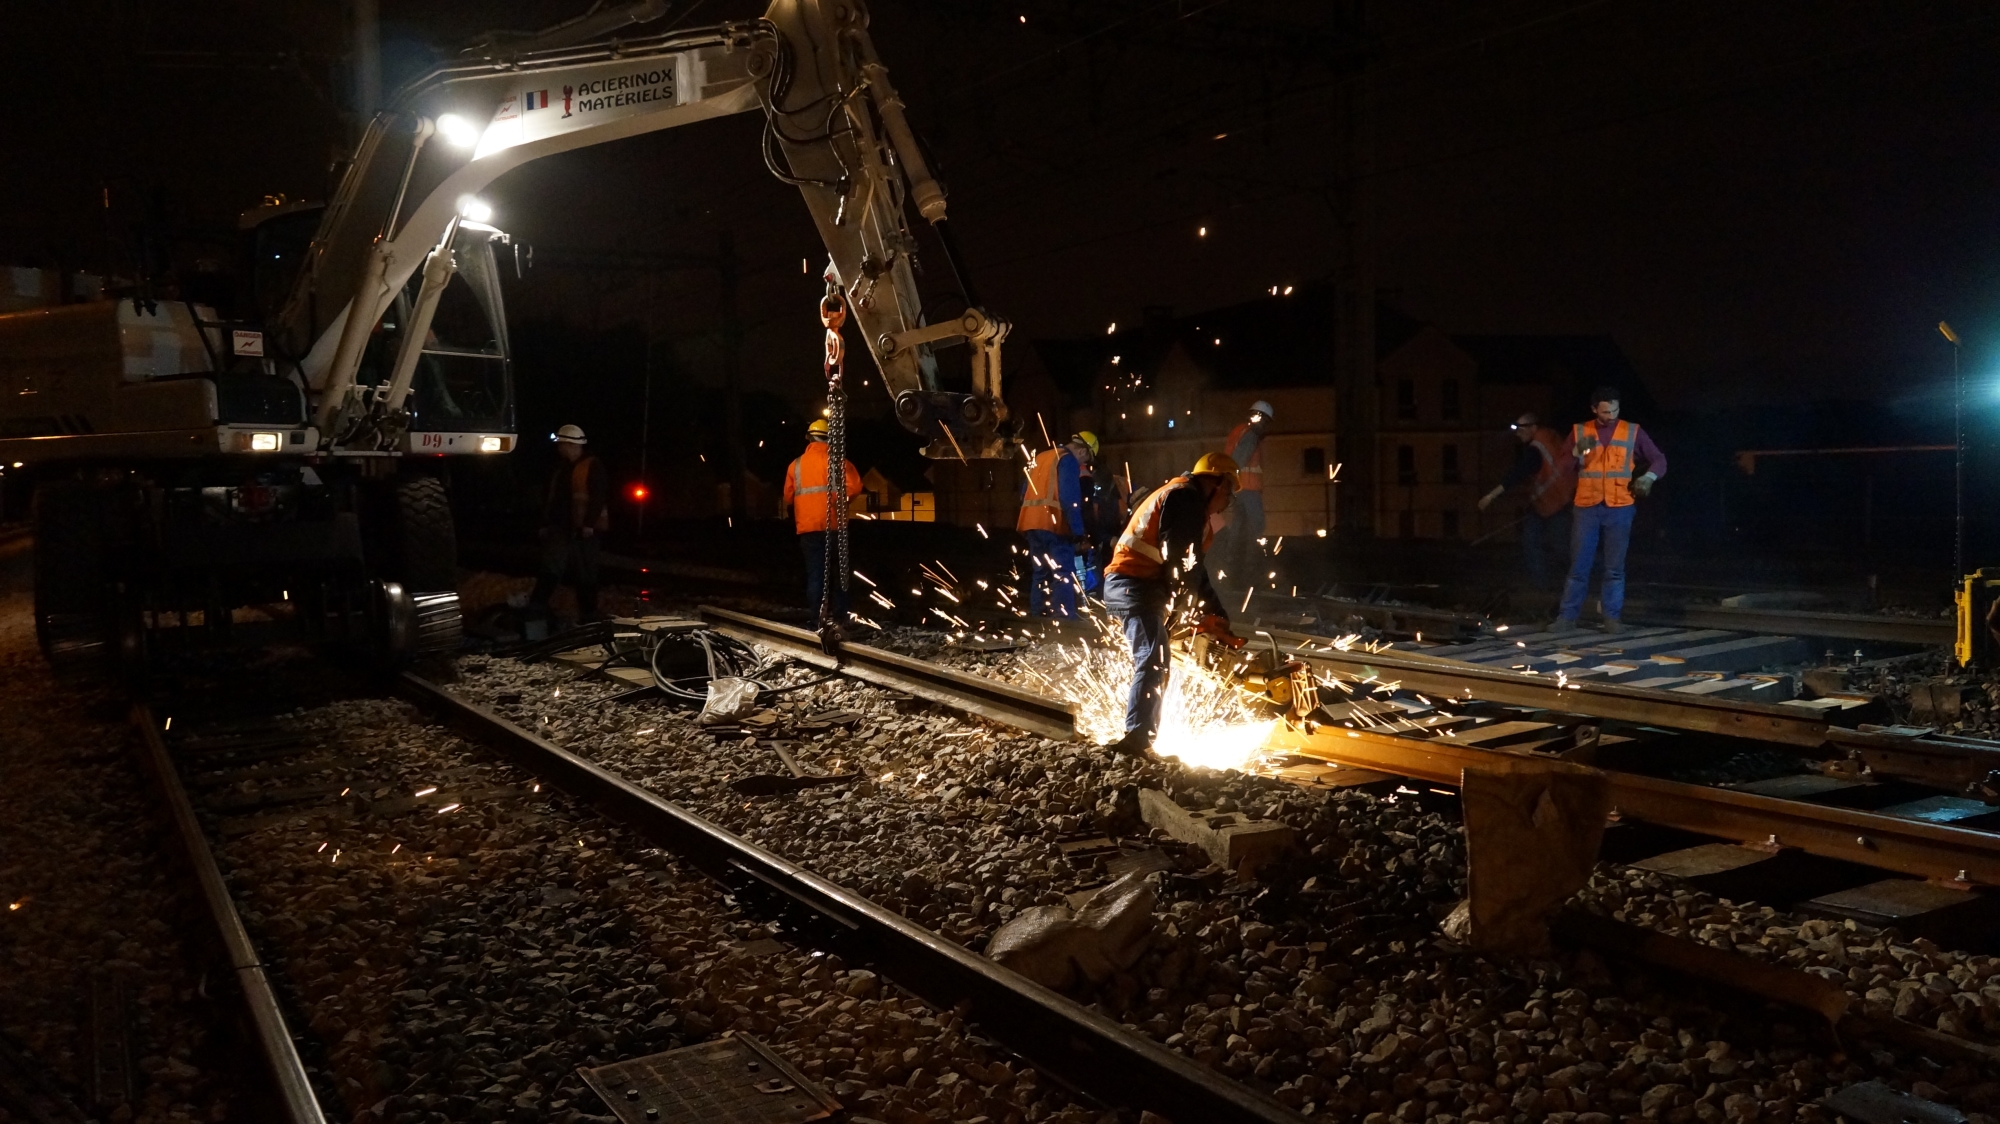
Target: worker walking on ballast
point(1546, 472)
point(809, 493)
point(1165, 542)
point(1051, 519)
point(1245, 446)
point(1605, 451)
point(575, 517)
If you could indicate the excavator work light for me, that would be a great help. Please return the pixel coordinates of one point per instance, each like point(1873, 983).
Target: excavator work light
point(263, 442)
point(474, 208)
point(457, 131)
point(491, 445)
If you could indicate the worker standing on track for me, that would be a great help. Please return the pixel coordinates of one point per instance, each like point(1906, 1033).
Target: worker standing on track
point(1245, 446)
point(1547, 474)
point(809, 493)
point(1051, 519)
point(575, 517)
point(1605, 449)
point(1165, 541)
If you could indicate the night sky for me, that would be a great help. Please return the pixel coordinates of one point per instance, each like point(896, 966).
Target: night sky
point(1760, 203)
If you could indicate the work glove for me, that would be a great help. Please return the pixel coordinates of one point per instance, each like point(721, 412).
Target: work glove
point(1486, 500)
point(1643, 486)
point(1216, 628)
point(1585, 444)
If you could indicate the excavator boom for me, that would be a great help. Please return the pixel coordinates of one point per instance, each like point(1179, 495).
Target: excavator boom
point(408, 207)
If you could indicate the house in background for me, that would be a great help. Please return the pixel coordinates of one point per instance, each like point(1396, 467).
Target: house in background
point(1164, 391)
point(1446, 402)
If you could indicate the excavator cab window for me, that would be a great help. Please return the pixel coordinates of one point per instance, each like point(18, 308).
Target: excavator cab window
point(464, 379)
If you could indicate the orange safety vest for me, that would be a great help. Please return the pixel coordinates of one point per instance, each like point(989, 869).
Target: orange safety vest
point(1552, 486)
point(1138, 554)
point(1250, 469)
point(1042, 507)
point(1605, 476)
point(809, 493)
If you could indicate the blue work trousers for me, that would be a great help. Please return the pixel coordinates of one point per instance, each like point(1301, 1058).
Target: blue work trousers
point(1614, 526)
point(1052, 575)
point(1142, 607)
point(1542, 535)
point(813, 545)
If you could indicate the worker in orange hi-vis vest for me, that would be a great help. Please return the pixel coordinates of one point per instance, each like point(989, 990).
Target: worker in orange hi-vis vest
point(1606, 450)
point(809, 493)
point(1051, 520)
point(1245, 445)
point(1545, 473)
point(575, 517)
point(1164, 544)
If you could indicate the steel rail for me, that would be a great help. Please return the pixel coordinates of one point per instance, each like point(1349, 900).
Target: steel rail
point(1798, 622)
point(1452, 679)
point(982, 698)
point(1913, 847)
point(274, 1038)
point(1078, 1046)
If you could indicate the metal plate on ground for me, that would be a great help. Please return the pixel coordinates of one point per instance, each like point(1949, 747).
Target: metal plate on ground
point(736, 1080)
point(1872, 1102)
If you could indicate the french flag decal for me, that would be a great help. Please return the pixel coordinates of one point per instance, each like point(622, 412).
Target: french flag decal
point(538, 99)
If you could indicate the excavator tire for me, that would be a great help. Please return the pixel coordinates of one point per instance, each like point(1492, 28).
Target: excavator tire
point(426, 543)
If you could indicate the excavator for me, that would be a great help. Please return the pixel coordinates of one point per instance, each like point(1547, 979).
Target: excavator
point(210, 479)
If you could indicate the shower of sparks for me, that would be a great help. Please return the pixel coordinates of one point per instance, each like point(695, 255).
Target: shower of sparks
point(1206, 719)
point(426, 791)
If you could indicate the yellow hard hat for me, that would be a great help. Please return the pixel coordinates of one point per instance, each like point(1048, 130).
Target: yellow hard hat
point(1216, 464)
point(1089, 440)
point(818, 428)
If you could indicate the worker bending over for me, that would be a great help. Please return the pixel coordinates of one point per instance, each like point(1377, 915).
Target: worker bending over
point(809, 493)
point(1245, 446)
point(1605, 450)
point(1165, 542)
point(1051, 519)
point(575, 517)
point(1546, 473)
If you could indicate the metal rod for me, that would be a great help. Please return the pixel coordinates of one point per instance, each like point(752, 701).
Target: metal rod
point(1079, 1046)
point(982, 698)
point(274, 1038)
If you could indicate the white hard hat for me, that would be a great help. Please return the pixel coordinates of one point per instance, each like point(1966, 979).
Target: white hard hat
point(1262, 407)
point(573, 434)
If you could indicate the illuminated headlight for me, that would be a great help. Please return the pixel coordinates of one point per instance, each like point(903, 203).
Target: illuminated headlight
point(263, 442)
point(491, 444)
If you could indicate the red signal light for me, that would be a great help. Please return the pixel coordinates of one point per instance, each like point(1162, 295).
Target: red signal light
point(638, 492)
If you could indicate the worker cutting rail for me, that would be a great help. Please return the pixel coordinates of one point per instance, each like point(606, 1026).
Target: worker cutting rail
point(1164, 546)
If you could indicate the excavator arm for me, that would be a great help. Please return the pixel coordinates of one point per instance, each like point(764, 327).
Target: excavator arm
point(409, 206)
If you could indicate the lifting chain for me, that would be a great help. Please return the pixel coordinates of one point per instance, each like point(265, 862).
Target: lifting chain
point(833, 314)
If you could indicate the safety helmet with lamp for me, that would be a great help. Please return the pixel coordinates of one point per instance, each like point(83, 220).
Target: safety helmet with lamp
point(1216, 464)
point(570, 435)
point(1262, 407)
point(1088, 439)
point(818, 428)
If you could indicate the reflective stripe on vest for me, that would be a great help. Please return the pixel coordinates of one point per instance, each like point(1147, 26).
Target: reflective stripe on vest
point(798, 491)
point(1139, 553)
point(1249, 466)
point(1606, 474)
point(1041, 504)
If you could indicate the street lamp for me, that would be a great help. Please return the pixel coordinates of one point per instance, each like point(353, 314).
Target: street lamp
point(1958, 458)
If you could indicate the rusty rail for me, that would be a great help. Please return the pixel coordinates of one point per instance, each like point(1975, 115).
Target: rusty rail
point(982, 698)
point(1913, 847)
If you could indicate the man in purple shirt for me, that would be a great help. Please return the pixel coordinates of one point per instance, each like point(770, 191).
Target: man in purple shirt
point(1607, 451)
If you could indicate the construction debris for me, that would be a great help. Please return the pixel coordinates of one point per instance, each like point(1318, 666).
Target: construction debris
point(1235, 842)
point(1053, 946)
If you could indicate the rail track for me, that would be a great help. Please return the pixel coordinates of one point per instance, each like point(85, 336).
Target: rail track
point(307, 786)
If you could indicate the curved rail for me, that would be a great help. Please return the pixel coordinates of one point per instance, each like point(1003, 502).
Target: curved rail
point(1087, 1050)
